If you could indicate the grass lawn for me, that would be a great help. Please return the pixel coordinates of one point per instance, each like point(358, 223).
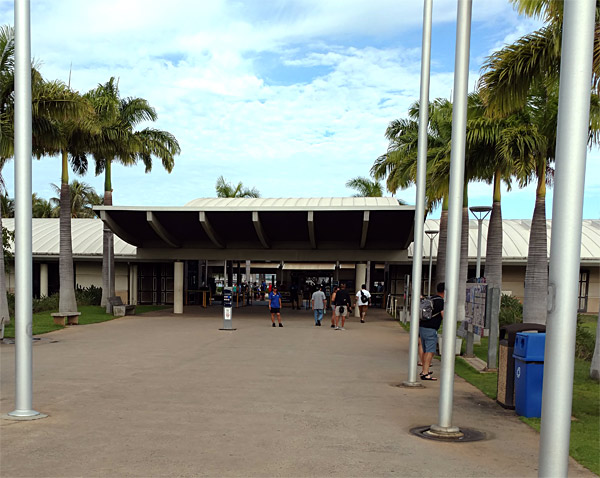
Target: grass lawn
point(585, 427)
point(90, 314)
point(590, 322)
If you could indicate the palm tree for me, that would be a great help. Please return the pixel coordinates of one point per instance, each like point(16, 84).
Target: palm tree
point(531, 60)
point(54, 105)
point(119, 141)
point(227, 190)
point(364, 187)
point(524, 77)
point(399, 164)
point(493, 148)
point(7, 204)
point(83, 198)
point(42, 208)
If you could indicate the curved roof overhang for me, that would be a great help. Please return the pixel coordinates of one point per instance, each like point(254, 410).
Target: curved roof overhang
point(315, 229)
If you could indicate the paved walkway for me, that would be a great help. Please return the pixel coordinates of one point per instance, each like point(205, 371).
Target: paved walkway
point(160, 395)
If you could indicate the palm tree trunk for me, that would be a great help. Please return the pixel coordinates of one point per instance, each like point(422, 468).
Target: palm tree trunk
point(67, 301)
point(493, 255)
point(108, 257)
point(440, 260)
point(536, 274)
point(464, 256)
point(4, 315)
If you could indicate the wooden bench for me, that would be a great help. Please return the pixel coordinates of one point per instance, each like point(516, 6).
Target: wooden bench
point(118, 308)
point(72, 318)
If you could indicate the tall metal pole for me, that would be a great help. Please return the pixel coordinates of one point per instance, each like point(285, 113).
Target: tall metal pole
point(567, 213)
point(430, 266)
point(420, 201)
point(23, 243)
point(478, 269)
point(457, 175)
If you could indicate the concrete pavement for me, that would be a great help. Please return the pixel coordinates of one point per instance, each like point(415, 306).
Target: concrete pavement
point(165, 395)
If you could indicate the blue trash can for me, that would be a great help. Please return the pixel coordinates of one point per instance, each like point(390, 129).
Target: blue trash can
point(529, 373)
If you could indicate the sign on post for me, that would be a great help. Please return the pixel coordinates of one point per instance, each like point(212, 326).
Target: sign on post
point(475, 308)
point(227, 310)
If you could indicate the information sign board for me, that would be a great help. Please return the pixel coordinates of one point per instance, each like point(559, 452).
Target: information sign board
point(475, 308)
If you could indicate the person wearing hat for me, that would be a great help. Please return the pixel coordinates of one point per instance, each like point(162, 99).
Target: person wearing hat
point(275, 306)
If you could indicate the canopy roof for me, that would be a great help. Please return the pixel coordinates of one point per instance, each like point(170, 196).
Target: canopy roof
point(306, 229)
point(87, 240)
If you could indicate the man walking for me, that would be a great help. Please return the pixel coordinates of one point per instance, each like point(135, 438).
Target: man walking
point(363, 301)
point(318, 302)
point(428, 331)
point(275, 306)
point(342, 306)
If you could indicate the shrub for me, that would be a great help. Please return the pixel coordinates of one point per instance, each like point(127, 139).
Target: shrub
point(511, 310)
point(584, 341)
point(45, 304)
point(11, 304)
point(37, 305)
point(91, 295)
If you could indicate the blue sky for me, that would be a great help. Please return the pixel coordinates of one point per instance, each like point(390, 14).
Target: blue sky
point(289, 96)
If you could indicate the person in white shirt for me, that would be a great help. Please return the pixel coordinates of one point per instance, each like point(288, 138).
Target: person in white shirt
point(319, 304)
point(363, 301)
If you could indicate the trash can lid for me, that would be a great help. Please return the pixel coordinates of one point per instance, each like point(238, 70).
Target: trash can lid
point(530, 346)
point(512, 330)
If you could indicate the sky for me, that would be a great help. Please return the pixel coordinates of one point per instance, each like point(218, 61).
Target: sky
point(291, 97)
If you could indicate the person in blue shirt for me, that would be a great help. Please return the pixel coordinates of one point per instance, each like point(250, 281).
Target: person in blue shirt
point(275, 306)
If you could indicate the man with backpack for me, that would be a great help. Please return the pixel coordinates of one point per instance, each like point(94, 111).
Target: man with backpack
point(432, 314)
point(363, 301)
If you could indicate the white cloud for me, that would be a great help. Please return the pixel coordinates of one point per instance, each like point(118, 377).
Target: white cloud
point(292, 97)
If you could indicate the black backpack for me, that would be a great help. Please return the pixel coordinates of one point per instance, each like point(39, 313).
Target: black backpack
point(363, 297)
point(426, 308)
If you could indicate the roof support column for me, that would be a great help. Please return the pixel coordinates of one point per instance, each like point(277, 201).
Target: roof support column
point(133, 281)
point(178, 287)
point(43, 280)
point(310, 218)
point(365, 229)
point(360, 273)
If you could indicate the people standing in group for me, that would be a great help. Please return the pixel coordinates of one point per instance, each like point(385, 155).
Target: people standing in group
point(319, 305)
point(363, 301)
point(275, 306)
point(343, 306)
point(428, 331)
point(332, 303)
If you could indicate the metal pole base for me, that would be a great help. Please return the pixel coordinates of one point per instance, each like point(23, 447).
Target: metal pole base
point(23, 415)
point(448, 435)
point(408, 384)
point(451, 433)
point(229, 329)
